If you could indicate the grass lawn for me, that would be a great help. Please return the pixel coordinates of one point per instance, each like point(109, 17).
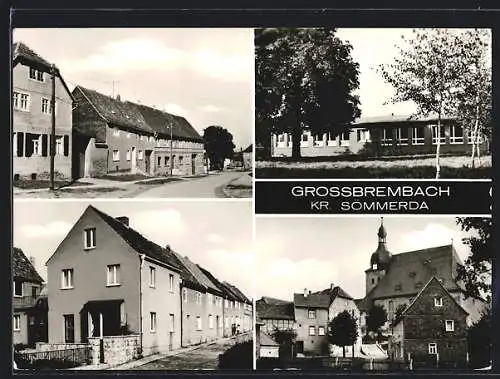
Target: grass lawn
point(422, 168)
point(40, 184)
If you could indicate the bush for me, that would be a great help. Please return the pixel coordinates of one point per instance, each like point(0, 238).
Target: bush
point(44, 364)
point(238, 357)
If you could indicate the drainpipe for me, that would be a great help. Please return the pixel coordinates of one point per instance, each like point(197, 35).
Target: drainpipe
point(142, 256)
point(182, 313)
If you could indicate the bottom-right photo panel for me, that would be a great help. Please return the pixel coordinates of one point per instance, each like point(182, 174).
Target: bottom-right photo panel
point(373, 294)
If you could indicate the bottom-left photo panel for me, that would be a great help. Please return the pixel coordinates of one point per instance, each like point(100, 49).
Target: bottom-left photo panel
point(132, 285)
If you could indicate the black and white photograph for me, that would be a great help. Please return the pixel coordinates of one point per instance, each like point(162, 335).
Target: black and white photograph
point(373, 103)
point(138, 112)
point(373, 294)
point(133, 285)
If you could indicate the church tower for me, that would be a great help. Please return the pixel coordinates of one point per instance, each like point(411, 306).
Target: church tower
point(379, 261)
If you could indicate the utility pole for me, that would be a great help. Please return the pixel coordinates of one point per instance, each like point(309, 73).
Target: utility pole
point(53, 133)
point(171, 145)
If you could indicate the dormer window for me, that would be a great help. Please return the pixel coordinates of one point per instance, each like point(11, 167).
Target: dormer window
point(311, 313)
point(36, 74)
point(438, 301)
point(89, 238)
point(374, 266)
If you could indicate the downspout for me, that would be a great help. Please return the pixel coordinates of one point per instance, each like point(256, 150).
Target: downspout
point(182, 313)
point(142, 256)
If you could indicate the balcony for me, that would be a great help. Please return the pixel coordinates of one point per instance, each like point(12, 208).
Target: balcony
point(24, 302)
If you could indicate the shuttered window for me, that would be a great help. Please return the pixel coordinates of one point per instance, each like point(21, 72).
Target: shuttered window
point(66, 146)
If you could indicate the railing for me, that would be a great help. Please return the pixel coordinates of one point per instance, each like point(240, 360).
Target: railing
point(54, 358)
point(24, 301)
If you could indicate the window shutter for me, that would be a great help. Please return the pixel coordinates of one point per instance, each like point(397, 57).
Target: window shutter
point(66, 146)
point(44, 145)
point(20, 144)
point(28, 151)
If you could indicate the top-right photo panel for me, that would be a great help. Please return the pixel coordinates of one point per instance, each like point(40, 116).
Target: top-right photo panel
point(373, 103)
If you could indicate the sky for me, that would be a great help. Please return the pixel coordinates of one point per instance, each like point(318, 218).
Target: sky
point(215, 234)
point(293, 253)
point(205, 75)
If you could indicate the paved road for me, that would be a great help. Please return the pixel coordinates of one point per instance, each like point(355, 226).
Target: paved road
point(203, 358)
point(208, 186)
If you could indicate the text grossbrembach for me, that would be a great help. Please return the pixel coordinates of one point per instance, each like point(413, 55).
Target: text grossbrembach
point(372, 198)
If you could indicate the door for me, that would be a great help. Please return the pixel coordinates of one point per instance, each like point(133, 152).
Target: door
point(148, 161)
point(300, 347)
point(69, 328)
point(193, 166)
point(171, 332)
point(32, 330)
point(217, 325)
point(134, 160)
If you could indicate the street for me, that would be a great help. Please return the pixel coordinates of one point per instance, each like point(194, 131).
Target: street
point(203, 358)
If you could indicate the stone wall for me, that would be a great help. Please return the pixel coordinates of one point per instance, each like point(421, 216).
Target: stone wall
point(117, 349)
point(44, 346)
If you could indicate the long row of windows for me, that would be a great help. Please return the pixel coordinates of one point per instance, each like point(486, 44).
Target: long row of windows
point(162, 142)
point(21, 101)
point(153, 322)
point(29, 144)
point(321, 330)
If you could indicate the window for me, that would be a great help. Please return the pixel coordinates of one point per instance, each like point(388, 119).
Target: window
point(18, 288)
point(363, 135)
point(198, 323)
point(159, 161)
point(417, 136)
point(17, 323)
point(442, 134)
point(210, 298)
point(386, 139)
point(170, 282)
point(116, 155)
point(318, 140)
point(37, 147)
point(67, 278)
point(21, 101)
point(210, 321)
point(198, 298)
point(140, 155)
point(305, 137)
point(456, 134)
point(128, 155)
point(113, 274)
point(321, 330)
point(433, 348)
point(128, 135)
point(374, 266)
point(226, 321)
point(45, 106)
point(172, 322)
point(184, 295)
point(152, 322)
point(69, 328)
point(36, 74)
point(281, 138)
point(438, 301)
point(402, 136)
point(471, 136)
point(166, 161)
point(123, 315)
point(312, 331)
point(59, 146)
point(226, 303)
point(311, 313)
point(344, 139)
point(89, 238)
point(152, 276)
point(116, 132)
point(373, 280)
point(449, 325)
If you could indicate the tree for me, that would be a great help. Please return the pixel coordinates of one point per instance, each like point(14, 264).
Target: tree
point(305, 79)
point(479, 341)
point(286, 339)
point(343, 330)
point(218, 143)
point(376, 318)
point(428, 71)
point(476, 272)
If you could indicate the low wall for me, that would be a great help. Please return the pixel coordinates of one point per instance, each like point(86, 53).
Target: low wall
point(117, 349)
point(44, 346)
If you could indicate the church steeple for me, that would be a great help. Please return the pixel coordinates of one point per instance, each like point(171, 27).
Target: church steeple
point(382, 234)
point(381, 257)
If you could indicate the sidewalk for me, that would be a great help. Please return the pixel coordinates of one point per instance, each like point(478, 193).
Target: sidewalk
point(152, 358)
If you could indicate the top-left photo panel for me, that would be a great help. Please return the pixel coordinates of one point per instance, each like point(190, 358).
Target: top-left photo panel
point(128, 113)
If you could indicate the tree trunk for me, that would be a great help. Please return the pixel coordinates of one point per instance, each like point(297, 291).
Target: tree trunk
point(478, 143)
point(476, 126)
point(438, 146)
point(296, 139)
point(343, 351)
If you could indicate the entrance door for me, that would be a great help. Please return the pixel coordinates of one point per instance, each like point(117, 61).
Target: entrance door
point(171, 332)
point(148, 161)
point(300, 347)
point(134, 160)
point(193, 166)
point(69, 328)
point(217, 325)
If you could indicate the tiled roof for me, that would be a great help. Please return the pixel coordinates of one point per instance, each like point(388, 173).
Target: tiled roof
point(238, 293)
point(272, 300)
point(267, 340)
point(160, 122)
point(22, 267)
point(116, 112)
point(222, 287)
point(312, 300)
point(195, 272)
point(282, 311)
point(334, 293)
point(21, 50)
point(138, 242)
point(398, 118)
point(408, 272)
point(188, 278)
point(249, 149)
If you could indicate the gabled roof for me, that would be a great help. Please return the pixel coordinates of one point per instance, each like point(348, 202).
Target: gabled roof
point(116, 112)
point(22, 267)
point(160, 122)
point(273, 301)
point(419, 295)
point(267, 340)
point(222, 287)
point(275, 311)
point(197, 274)
point(387, 119)
point(334, 293)
point(138, 242)
point(188, 279)
point(249, 149)
point(21, 53)
point(241, 296)
point(411, 270)
point(312, 300)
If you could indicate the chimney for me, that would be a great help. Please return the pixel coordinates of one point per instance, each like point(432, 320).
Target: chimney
point(124, 220)
point(168, 248)
point(118, 97)
point(32, 261)
point(305, 292)
point(332, 286)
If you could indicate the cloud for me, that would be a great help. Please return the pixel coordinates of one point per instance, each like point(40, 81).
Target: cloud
point(210, 108)
point(222, 65)
point(215, 238)
point(158, 223)
point(432, 235)
point(175, 109)
point(52, 229)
